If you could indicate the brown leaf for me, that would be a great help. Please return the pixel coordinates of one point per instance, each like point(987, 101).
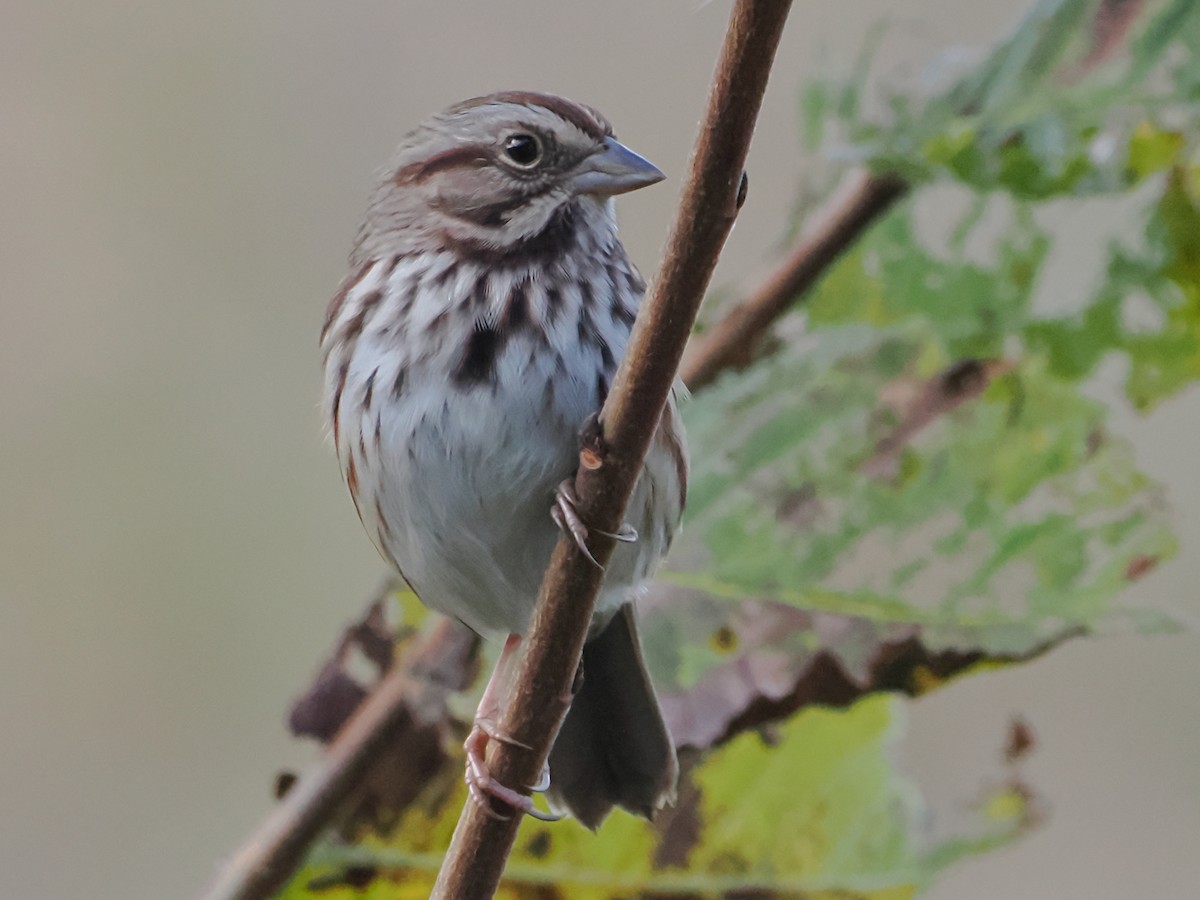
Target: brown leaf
point(787, 658)
point(441, 662)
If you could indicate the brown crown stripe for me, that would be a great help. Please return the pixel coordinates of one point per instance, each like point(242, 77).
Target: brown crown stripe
point(586, 119)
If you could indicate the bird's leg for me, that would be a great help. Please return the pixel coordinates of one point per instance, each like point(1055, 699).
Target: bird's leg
point(566, 516)
point(485, 728)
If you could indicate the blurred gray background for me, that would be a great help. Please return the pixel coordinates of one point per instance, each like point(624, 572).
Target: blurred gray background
point(179, 185)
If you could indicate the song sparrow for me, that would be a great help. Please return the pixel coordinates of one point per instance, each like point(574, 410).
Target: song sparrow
point(488, 304)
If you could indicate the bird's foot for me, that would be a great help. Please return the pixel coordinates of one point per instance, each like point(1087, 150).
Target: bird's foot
point(484, 788)
point(566, 516)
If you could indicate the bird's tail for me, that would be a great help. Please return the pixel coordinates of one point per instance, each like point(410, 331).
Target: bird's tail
point(614, 748)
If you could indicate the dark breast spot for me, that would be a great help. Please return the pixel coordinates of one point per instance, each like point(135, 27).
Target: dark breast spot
point(369, 390)
point(516, 310)
point(554, 304)
point(622, 315)
point(478, 362)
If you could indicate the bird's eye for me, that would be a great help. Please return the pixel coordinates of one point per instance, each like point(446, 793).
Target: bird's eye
point(523, 149)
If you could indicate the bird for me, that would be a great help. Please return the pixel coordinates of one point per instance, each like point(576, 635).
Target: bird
point(488, 304)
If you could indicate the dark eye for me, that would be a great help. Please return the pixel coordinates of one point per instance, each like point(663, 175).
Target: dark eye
point(523, 149)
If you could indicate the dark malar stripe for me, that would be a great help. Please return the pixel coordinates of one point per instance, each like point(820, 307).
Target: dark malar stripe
point(552, 243)
point(495, 215)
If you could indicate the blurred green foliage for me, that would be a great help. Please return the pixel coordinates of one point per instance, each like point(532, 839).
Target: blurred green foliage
point(923, 447)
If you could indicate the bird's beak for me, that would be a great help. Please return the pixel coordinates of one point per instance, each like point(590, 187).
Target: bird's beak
point(614, 170)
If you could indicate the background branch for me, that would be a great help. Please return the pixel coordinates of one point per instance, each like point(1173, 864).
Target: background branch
point(406, 707)
point(609, 467)
point(737, 339)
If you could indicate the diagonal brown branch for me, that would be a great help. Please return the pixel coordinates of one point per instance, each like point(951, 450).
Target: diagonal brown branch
point(737, 339)
point(407, 705)
point(542, 688)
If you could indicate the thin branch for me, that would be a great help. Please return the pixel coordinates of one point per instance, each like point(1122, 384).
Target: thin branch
point(405, 706)
point(610, 466)
point(737, 339)
point(955, 385)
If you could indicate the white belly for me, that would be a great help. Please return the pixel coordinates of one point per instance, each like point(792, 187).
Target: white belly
point(465, 485)
point(454, 476)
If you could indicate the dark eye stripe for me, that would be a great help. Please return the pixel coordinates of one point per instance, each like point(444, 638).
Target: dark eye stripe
point(473, 155)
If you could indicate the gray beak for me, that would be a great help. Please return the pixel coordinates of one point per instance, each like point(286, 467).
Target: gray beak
point(614, 170)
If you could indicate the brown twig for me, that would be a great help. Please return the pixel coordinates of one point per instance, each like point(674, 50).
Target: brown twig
point(736, 340)
point(955, 385)
point(542, 686)
point(409, 700)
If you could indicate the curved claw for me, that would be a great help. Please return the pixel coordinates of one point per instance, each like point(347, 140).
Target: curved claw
point(481, 798)
point(566, 516)
point(627, 534)
point(543, 783)
point(483, 786)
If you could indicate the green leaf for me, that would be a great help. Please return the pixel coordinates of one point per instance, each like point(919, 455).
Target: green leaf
point(860, 468)
point(1153, 149)
point(815, 813)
